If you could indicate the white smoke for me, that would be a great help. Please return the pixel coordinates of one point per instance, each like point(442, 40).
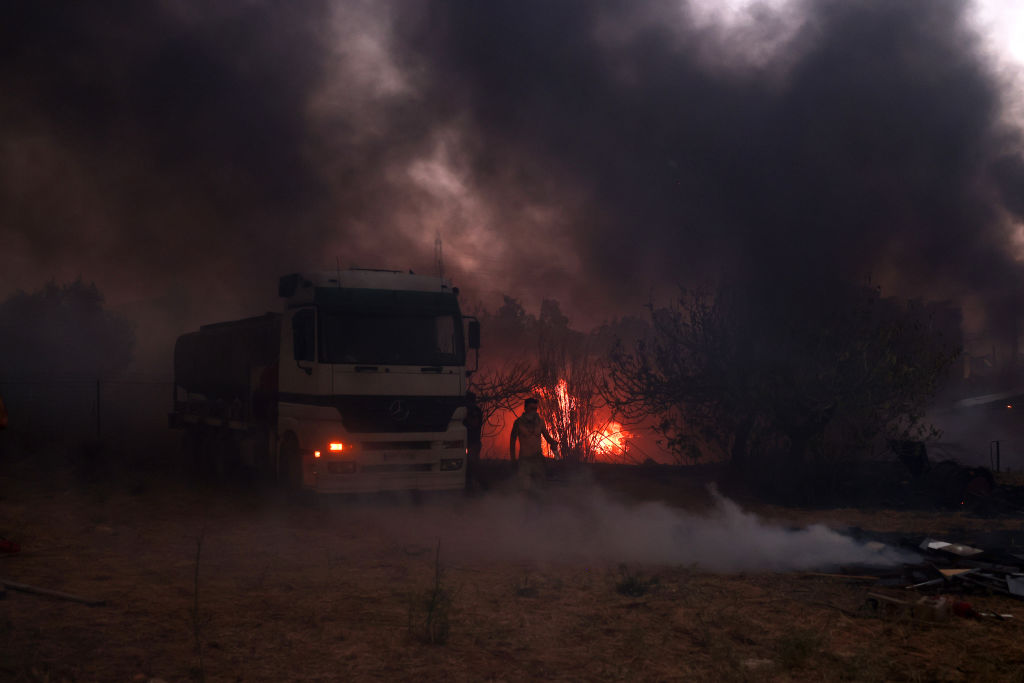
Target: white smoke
point(580, 525)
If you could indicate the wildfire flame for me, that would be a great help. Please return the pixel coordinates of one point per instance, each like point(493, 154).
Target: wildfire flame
point(609, 442)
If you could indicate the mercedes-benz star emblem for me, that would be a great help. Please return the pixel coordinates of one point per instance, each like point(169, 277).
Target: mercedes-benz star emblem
point(398, 410)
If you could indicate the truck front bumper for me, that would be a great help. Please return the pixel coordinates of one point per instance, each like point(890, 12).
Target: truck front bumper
point(369, 482)
point(329, 475)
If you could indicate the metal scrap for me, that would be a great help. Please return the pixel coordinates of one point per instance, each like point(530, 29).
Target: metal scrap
point(952, 567)
point(954, 548)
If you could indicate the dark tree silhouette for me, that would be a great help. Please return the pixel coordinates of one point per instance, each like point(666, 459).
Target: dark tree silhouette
point(800, 377)
point(63, 330)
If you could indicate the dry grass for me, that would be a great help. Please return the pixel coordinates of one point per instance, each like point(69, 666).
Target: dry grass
point(292, 591)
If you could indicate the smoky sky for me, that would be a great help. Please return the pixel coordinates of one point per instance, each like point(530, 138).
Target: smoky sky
point(577, 150)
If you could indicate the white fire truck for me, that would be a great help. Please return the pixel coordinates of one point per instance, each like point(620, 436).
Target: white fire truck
point(358, 386)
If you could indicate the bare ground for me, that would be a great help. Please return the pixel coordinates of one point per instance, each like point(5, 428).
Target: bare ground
point(298, 590)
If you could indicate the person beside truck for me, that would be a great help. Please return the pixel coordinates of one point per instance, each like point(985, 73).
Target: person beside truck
point(528, 430)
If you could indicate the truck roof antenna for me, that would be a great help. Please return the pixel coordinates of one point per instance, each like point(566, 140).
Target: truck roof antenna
point(438, 255)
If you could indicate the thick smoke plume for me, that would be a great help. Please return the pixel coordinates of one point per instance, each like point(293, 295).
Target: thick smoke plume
point(585, 524)
point(185, 156)
point(869, 143)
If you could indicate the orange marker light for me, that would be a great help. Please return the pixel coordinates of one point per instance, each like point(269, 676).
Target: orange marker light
point(316, 454)
point(337, 447)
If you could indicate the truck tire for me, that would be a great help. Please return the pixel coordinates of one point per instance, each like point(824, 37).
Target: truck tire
point(191, 442)
point(290, 463)
point(225, 458)
point(200, 447)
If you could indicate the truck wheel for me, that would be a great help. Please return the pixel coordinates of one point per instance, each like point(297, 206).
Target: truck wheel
point(191, 441)
point(290, 468)
point(225, 458)
point(202, 447)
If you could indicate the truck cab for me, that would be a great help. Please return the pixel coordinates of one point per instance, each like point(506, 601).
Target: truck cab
point(358, 385)
point(372, 382)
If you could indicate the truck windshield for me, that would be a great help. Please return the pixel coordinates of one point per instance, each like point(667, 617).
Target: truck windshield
point(389, 339)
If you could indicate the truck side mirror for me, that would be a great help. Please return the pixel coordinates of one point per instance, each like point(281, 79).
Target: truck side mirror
point(303, 335)
point(474, 334)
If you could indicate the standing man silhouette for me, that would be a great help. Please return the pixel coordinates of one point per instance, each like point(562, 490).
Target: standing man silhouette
point(528, 430)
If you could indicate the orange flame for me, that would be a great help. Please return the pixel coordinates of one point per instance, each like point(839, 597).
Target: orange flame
point(610, 442)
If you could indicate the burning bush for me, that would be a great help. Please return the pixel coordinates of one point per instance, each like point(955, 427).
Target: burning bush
point(545, 358)
point(569, 388)
point(581, 434)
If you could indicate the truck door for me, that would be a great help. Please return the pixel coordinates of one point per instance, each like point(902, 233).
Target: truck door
point(301, 374)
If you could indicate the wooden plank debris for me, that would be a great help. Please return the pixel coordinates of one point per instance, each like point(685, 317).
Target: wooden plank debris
point(25, 588)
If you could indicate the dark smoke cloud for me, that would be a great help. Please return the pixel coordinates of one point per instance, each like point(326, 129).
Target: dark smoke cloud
point(155, 141)
point(865, 146)
point(565, 149)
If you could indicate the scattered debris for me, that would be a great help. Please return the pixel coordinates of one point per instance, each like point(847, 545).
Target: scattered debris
point(844, 577)
point(955, 548)
point(928, 608)
point(878, 602)
point(947, 568)
point(754, 664)
point(954, 572)
point(25, 588)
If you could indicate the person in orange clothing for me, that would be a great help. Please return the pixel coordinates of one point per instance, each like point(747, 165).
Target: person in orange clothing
point(528, 430)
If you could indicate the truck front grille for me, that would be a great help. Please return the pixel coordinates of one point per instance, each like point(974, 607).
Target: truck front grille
point(396, 445)
point(417, 467)
point(370, 414)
